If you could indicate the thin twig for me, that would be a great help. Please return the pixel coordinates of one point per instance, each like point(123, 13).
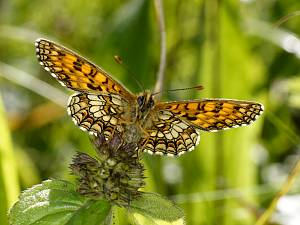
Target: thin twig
point(163, 56)
point(285, 188)
point(286, 18)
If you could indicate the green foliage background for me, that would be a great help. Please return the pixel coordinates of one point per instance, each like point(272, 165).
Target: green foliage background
point(233, 48)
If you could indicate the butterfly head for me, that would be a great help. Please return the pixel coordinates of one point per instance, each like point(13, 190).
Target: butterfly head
point(145, 103)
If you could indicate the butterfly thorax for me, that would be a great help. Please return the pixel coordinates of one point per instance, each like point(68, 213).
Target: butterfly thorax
point(145, 104)
point(139, 118)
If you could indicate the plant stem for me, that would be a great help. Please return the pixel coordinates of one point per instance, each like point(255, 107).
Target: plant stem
point(163, 56)
point(285, 188)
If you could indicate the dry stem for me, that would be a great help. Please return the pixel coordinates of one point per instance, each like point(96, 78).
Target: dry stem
point(285, 188)
point(161, 72)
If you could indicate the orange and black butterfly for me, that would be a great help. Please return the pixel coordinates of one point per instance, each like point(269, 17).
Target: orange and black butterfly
point(104, 106)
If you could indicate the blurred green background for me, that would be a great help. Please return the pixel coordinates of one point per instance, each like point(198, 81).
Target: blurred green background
point(235, 49)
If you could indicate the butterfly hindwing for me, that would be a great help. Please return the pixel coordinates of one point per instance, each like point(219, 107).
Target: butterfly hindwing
point(169, 135)
point(97, 113)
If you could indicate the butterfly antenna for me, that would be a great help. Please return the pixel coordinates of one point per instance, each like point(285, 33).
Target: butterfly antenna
point(198, 88)
point(119, 60)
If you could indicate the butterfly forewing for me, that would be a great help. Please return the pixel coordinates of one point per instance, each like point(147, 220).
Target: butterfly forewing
point(214, 114)
point(74, 71)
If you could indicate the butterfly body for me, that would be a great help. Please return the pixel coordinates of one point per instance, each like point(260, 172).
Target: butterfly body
point(104, 106)
point(145, 103)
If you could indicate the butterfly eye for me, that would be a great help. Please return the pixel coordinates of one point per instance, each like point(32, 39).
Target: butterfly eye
point(150, 103)
point(140, 100)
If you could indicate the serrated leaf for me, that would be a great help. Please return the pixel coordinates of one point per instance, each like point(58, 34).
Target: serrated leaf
point(152, 208)
point(55, 202)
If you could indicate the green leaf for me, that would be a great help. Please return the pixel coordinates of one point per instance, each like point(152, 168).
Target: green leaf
point(154, 209)
point(140, 219)
point(55, 202)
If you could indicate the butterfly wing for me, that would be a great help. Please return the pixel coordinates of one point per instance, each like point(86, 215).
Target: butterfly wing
point(98, 114)
point(174, 125)
point(214, 114)
point(74, 71)
point(169, 135)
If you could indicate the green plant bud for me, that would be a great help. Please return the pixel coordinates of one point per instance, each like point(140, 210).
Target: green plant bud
point(116, 174)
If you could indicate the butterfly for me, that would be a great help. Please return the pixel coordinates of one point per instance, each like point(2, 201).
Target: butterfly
point(101, 105)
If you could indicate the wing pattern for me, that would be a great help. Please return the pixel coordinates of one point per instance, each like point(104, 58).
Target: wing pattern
point(104, 106)
point(215, 114)
point(74, 71)
point(169, 135)
point(97, 113)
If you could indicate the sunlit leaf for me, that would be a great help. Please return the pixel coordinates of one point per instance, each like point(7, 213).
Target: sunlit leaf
point(154, 209)
point(56, 202)
point(142, 219)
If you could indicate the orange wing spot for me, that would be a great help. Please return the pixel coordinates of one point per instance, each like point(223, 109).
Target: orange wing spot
point(71, 58)
point(205, 125)
point(223, 113)
point(192, 106)
point(173, 107)
point(100, 78)
point(228, 105)
point(75, 84)
point(68, 66)
point(210, 114)
point(82, 79)
point(202, 117)
point(56, 63)
point(221, 118)
point(233, 117)
point(209, 107)
point(212, 121)
point(117, 88)
point(66, 61)
point(53, 58)
point(79, 73)
point(67, 74)
point(86, 68)
point(227, 110)
point(238, 114)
